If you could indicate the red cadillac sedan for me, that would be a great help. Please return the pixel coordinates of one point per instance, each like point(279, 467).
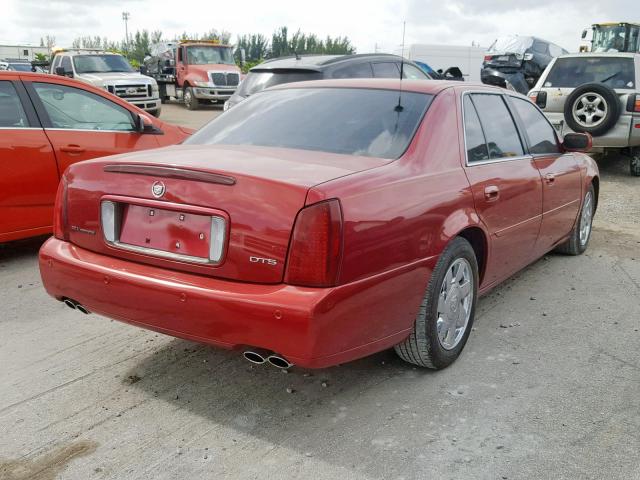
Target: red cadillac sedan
point(320, 222)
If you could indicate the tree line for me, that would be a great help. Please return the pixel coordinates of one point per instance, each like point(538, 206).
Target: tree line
point(257, 47)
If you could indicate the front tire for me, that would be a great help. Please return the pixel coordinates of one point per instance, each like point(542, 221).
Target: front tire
point(446, 314)
point(581, 233)
point(190, 100)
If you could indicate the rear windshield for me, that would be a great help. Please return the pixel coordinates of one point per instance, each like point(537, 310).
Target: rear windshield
point(257, 81)
point(571, 72)
point(337, 120)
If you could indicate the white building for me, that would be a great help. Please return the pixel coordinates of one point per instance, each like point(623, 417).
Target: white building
point(467, 59)
point(22, 52)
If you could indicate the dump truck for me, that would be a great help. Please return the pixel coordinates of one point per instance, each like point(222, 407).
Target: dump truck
point(194, 71)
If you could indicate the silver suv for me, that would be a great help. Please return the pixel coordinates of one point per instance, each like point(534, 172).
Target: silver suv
point(110, 71)
point(597, 93)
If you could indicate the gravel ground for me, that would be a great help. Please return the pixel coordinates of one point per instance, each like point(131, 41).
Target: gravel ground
point(547, 388)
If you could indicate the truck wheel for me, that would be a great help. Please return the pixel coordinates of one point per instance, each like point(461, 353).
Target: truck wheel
point(592, 108)
point(581, 233)
point(446, 314)
point(634, 164)
point(190, 100)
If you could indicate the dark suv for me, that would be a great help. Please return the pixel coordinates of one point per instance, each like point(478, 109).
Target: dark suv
point(317, 67)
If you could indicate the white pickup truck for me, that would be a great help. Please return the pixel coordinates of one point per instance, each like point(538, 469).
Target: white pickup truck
point(110, 71)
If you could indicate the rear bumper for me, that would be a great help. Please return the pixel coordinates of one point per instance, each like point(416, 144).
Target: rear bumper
point(310, 327)
point(625, 133)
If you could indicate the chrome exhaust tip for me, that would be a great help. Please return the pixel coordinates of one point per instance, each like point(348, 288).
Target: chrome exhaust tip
point(69, 303)
point(82, 309)
point(279, 362)
point(253, 356)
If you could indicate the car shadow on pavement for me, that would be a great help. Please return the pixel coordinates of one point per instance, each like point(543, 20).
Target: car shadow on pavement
point(20, 249)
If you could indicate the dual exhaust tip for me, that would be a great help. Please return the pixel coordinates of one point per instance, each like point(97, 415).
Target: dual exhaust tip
point(73, 305)
point(258, 357)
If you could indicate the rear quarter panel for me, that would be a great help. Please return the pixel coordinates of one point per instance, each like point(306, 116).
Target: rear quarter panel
point(400, 216)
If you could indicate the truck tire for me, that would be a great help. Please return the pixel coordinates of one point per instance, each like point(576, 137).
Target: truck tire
point(634, 163)
point(445, 317)
point(190, 100)
point(581, 233)
point(592, 108)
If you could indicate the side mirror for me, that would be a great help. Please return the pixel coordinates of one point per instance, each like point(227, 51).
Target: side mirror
point(243, 57)
point(144, 124)
point(577, 142)
point(584, 34)
point(60, 71)
point(144, 70)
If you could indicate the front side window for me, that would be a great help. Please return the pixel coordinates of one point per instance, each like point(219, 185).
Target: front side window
point(12, 114)
point(348, 121)
point(101, 64)
point(386, 70)
point(76, 109)
point(473, 134)
point(499, 129)
point(571, 72)
point(541, 134)
point(413, 73)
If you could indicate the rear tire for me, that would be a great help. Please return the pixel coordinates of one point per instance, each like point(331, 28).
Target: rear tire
point(446, 314)
point(634, 163)
point(190, 100)
point(581, 233)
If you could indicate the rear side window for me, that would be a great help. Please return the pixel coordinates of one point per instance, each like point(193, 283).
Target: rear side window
point(256, 81)
point(351, 121)
point(11, 112)
point(499, 129)
point(474, 137)
point(358, 70)
point(541, 134)
point(571, 72)
point(386, 70)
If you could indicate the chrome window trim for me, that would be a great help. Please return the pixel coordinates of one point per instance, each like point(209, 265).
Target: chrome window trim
point(464, 132)
point(58, 129)
point(21, 128)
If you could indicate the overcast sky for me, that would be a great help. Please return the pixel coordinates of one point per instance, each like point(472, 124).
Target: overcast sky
point(367, 24)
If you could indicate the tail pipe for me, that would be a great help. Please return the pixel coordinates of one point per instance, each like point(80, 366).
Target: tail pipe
point(259, 356)
point(278, 361)
point(73, 305)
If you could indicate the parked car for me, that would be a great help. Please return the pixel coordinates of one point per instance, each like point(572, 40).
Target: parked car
point(316, 67)
point(517, 62)
point(598, 93)
point(110, 71)
point(15, 65)
point(373, 223)
point(46, 124)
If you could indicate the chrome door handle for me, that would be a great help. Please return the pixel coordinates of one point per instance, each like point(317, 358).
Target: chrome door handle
point(550, 178)
point(72, 149)
point(491, 193)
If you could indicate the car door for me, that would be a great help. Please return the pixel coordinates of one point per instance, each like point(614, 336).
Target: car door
point(29, 176)
point(505, 182)
point(82, 125)
point(561, 177)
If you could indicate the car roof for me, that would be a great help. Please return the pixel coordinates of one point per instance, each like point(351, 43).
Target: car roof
point(432, 87)
point(320, 62)
point(600, 54)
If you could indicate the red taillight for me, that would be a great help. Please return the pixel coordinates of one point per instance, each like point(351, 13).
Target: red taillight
point(637, 106)
point(488, 57)
point(315, 251)
point(60, 212)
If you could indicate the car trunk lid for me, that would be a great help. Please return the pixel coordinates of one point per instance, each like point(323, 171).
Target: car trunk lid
point(224, 211)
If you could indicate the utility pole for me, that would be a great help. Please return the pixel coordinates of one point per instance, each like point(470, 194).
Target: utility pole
point(125, 17)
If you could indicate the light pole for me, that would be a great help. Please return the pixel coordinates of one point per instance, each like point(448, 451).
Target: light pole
point(125, 17)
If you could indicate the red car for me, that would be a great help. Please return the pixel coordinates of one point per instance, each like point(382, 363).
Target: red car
point(320, 222)
point(46, 124)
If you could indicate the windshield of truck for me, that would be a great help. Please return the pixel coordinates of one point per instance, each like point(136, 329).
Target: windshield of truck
point(20, 67)
point(571, 72)
point(619, 38)
point(256, 81)
point(101, 64)
point(511, 44)
point(205, 55)
point(351, 121)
